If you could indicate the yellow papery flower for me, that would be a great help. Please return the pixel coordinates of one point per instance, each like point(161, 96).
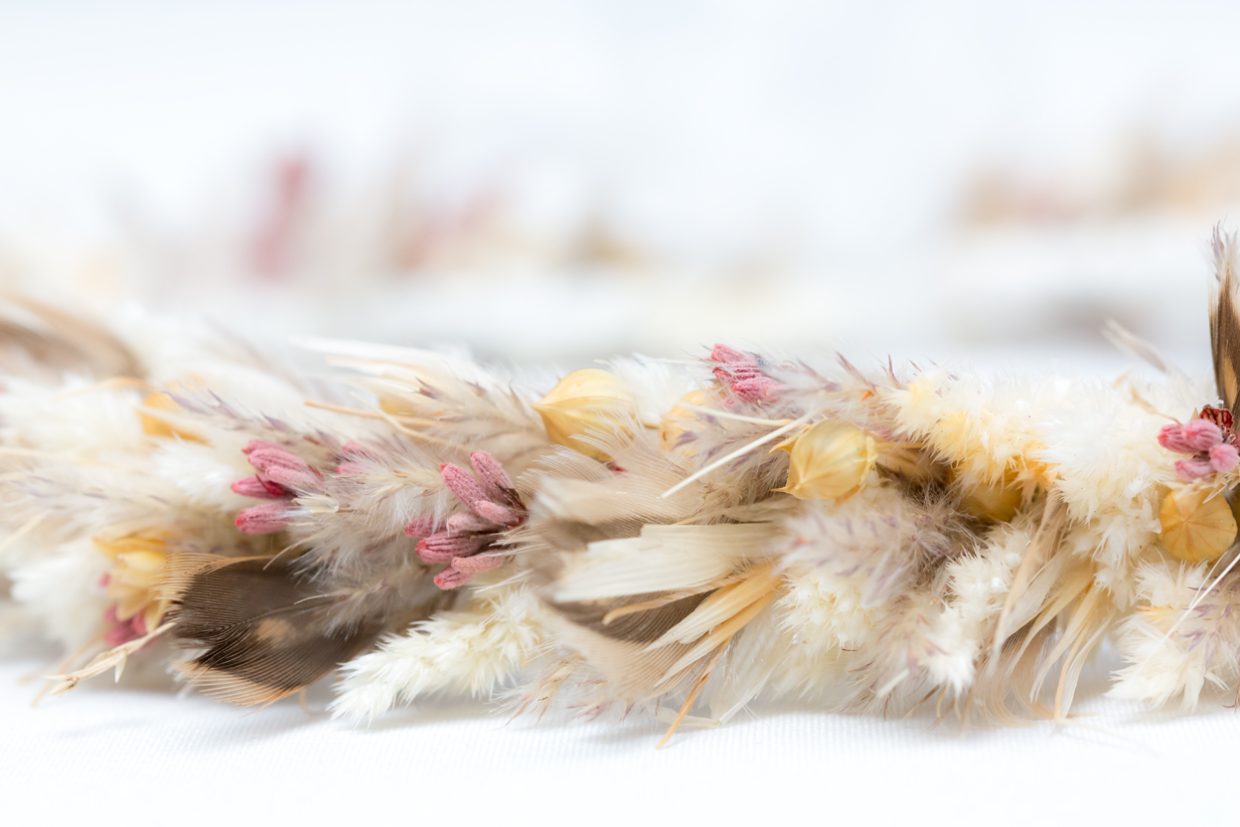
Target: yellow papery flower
point(1197, 524)
point(139, 562)
point(829, 461)
point(584, 401)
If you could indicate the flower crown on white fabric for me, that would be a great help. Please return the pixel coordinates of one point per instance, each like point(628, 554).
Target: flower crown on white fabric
point(688, 536)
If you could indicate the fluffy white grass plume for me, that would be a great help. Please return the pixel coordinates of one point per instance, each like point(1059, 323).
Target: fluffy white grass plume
point(476, 651)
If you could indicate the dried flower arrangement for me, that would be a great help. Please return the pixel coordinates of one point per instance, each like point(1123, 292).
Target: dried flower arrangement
point(687, 536)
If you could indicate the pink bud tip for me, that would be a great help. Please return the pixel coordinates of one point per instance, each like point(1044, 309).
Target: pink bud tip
point(260, 488)
point(479, 563)
point(450, 578)
point(263, 519)
point(460, 483)
point(1192, 437)
point(1224, 458)
point(496, 513)
point(419, 526)
point(444, 546)
point(492, 475)
point(256, 444)
point(1193, 469)
point(723, 353)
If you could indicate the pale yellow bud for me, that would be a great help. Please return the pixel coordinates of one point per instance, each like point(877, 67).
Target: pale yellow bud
point(683, 420)
point(1197, 524)
point(585, 401)
point(829, 461)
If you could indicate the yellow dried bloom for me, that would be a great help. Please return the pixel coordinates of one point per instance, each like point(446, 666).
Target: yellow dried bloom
point(585, 401)
point(682, 420)
point(829, 461)
point(1197, 524)
point(155, 425)
point(134, 582)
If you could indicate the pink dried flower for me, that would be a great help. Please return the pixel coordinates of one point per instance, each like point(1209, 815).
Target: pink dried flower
point(494, 507)
point(445, 545)
point(1224, 458)
point(263, 519)
point(1189, 470)
point(283, 467)
point(1209, 442)
point(492, 476)
point(451, 578)
point(281, 476)
point(261, 489)
point(742, 373)
point(419, 526)
point(1192, 437)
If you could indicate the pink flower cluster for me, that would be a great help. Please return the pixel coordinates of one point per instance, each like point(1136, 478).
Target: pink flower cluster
point(494, 507)
point(1208, 441)
point(281, 476)
point(742, 373)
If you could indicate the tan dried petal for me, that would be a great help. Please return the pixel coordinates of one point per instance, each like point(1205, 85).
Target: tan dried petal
point(1197, 524)
point(585, 401)
point(829, 461)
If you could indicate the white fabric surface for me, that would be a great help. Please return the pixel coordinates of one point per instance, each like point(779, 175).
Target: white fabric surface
point(132, 754)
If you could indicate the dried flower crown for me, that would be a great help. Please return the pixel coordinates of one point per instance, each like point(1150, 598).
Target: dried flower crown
point(701, 534)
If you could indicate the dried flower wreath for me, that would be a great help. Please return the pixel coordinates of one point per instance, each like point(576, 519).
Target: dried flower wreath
point(683, 535)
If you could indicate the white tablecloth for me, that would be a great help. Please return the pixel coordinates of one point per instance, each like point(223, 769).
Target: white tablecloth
point(139, 755)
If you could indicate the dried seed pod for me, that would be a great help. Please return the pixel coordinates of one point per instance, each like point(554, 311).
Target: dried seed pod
point(1197, 524)
point(585, 401)
point(829, 461)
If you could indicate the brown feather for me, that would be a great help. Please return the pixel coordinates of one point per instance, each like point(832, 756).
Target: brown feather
point(1225, 320)
point(265, 632)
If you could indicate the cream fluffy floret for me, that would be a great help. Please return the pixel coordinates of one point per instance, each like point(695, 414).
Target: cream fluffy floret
point(58, 589)
point(976, 589)
point(986, 430)
point(833, 589)
point(1110, 470)
point(1171, 652)
point(472, 651)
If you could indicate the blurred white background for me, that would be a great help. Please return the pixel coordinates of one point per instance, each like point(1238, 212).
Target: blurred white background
point(560, 180)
